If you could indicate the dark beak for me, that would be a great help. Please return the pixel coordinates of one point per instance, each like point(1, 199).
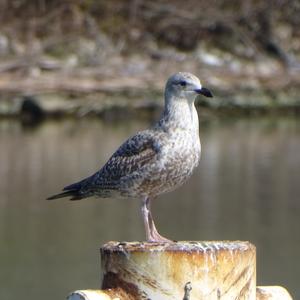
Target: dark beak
point(205, 92)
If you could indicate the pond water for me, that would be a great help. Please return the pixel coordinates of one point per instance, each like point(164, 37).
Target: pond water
point(246, 188)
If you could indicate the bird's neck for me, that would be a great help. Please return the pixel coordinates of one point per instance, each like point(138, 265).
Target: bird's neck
point(179, 113)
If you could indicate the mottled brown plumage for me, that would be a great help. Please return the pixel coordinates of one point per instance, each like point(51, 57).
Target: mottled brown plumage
point(153, 161)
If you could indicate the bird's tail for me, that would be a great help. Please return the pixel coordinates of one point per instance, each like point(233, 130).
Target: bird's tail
point(72, 191)
point(75, 191)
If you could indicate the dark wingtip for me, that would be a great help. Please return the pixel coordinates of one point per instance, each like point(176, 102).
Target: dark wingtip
point(52, 197)
point(62, 195)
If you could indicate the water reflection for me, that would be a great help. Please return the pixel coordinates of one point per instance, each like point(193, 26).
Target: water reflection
point(247, 187)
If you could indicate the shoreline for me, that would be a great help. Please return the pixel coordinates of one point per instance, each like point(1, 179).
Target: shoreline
point(136, 82)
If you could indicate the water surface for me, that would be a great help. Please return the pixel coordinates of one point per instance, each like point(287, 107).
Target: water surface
point(246, 188)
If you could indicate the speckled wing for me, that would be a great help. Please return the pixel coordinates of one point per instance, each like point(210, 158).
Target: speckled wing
point(121, 169)
point(129, 158)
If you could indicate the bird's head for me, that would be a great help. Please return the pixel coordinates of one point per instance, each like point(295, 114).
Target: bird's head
point(185, 85)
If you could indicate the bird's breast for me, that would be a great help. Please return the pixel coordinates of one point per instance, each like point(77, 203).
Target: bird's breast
point(182, 150)
point(180, 155)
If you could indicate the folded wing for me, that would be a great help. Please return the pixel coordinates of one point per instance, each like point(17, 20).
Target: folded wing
point(127, 162)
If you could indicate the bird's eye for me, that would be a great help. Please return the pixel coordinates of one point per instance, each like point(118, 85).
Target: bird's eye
point(182, 83)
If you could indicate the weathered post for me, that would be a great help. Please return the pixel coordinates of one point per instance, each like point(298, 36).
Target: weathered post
point(215, 270)
point(182, 271)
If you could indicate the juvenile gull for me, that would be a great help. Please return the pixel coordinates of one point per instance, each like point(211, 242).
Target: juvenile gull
point(153, 161)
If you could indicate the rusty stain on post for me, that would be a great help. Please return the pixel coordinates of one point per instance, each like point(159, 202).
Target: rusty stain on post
point(216, 270)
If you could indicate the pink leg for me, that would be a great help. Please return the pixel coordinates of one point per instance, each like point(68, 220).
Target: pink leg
point(152, 234)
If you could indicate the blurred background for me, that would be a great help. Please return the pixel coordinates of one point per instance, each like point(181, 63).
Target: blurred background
point(78, 77)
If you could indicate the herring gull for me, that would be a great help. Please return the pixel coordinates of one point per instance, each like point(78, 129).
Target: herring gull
point(153, 161)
